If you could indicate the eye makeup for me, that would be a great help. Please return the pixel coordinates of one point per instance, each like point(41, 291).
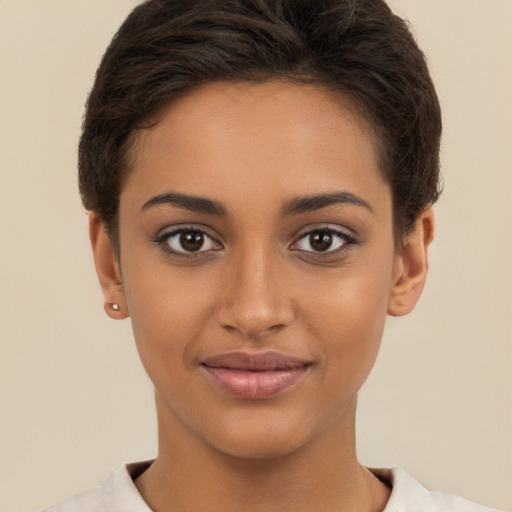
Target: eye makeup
point(324, 242)
point(188, 241)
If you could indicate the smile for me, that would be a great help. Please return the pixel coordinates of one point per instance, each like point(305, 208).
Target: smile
point(255, 376)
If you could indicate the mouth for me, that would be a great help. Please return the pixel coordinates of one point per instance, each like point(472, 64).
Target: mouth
point(255, 376)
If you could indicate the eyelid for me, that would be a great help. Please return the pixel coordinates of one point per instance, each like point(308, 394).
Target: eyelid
point(180, 228)
point(345, 232)
point(348, 238)
point(171, 231)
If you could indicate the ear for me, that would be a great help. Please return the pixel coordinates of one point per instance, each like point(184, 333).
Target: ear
point(107, 268)
point(411, 266)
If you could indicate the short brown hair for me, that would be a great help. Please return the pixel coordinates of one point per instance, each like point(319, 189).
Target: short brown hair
point(358, 48)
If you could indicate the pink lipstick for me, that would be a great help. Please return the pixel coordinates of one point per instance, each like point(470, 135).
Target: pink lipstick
point(255, 376)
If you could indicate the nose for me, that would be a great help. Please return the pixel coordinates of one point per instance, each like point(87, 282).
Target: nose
point(257, 300)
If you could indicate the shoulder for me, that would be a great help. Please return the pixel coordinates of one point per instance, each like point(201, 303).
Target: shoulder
point(87, 501)
point(408, 495)
point(116, 494)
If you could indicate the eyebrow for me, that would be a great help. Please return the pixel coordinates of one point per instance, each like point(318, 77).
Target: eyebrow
point(294, 207)
point(192, 203)
point(319, 201)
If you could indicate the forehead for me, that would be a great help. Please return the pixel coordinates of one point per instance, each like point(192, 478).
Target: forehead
point(237, 140)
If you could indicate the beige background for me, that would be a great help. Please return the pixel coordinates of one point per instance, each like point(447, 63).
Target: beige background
point(75, 402)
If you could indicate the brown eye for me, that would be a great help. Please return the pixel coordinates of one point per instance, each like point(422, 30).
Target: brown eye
point(328, 241)
point(192, 241)
point(187, 241)
point(320, 241)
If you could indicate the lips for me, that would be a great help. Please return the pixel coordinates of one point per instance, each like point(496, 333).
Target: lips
point(255, 376)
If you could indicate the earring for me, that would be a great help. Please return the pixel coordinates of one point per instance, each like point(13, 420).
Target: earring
point(115, 307)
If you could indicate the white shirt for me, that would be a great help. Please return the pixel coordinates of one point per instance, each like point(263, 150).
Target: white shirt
point(119, 494)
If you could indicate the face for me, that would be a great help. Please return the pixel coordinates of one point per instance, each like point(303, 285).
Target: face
point(257, 264)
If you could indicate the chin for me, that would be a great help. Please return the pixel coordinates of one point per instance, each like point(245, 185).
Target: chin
point(262, 446)
point(262, 438)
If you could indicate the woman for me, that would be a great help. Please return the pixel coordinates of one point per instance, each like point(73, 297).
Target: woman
point(260, 176)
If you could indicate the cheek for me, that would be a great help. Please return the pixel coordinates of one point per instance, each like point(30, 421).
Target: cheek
point(168, 311)
point(348, 319)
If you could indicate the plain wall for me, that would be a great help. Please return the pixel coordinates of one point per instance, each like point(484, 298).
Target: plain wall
point(75, 402)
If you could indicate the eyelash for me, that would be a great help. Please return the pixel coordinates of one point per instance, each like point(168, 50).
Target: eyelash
point(347, 240)
point(162, 240)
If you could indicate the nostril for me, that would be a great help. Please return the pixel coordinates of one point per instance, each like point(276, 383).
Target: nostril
point(253, 332)
point(255, 309)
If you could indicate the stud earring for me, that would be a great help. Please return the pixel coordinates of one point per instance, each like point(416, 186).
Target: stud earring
point(115, 307)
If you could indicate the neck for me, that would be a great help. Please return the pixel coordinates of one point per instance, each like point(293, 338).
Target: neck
point(323, 475)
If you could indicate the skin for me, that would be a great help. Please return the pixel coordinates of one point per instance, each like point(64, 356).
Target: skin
point(260, 284)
